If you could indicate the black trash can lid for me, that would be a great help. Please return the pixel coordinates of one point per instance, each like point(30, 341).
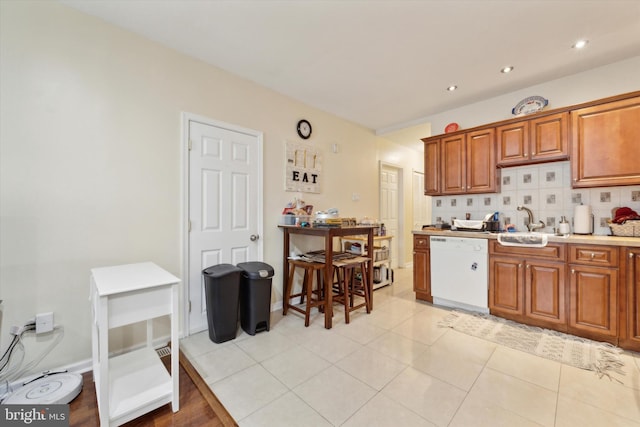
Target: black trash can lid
point(256, 270)
point(220, 270)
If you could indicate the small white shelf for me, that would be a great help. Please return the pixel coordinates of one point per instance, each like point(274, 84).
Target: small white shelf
point(378, 241)
point(136, 382)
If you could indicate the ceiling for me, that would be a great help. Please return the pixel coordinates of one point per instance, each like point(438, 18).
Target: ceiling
point(386, 64)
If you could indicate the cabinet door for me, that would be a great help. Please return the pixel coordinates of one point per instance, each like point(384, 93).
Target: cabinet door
point(481, 161)
point(605, 144)
point(506, 293)
point(630, 337)
point(513, 144)
point(432, 167)
point(422, 275)
point(545, 292)
point(453, 152)
point(593, 300)
point(549, 137)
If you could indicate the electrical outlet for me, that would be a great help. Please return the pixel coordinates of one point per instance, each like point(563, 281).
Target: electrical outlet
point(44, 322)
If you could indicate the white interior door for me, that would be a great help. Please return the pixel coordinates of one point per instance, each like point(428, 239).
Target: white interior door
point(224, 206)
point(421, 203)
point(391, 207)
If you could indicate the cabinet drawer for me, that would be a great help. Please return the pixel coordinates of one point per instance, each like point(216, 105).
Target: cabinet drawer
point(606, 256)
point(420, 242)
point(553, 251)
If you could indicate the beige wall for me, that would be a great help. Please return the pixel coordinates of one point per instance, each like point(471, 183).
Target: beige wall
point(91, 169)
point(613, 79)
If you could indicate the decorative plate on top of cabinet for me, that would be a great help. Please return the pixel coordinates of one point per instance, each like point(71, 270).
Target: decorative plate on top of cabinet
point(451, 127)
point(531, 104)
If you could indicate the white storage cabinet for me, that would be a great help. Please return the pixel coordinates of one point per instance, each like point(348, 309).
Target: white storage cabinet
point(134, 383)
point(381, 255)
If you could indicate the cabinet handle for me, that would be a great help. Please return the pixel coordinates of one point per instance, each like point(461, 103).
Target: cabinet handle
point(533, 152)
point(520, 265)
point(593, 255)
point(631, 254)
point(573, 271)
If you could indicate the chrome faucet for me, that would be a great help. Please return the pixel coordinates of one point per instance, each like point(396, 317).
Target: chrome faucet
point(532, 225)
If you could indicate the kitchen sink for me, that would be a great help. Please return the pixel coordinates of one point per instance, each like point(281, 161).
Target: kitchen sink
point(527, 239)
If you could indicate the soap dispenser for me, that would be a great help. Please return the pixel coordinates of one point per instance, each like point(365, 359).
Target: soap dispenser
point(563, 226)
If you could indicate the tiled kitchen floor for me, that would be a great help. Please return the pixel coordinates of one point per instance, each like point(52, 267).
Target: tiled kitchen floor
point(396, 367)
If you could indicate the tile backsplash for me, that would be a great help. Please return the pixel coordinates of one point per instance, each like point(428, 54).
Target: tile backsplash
point(546, 190)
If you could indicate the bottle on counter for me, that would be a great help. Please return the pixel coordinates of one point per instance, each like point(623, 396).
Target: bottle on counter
point(564, 228)
point(383, 230)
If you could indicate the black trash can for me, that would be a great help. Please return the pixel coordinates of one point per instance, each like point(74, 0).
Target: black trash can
point(255, 296)
point(222, 292)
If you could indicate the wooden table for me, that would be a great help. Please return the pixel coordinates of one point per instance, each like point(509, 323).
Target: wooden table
point(328, 233)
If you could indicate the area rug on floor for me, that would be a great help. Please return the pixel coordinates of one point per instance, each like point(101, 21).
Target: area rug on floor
point(603, 358)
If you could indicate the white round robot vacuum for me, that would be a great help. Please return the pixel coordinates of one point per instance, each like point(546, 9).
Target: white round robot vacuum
point(50, 389)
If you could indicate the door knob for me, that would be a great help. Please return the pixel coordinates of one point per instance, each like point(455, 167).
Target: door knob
point(254, 237)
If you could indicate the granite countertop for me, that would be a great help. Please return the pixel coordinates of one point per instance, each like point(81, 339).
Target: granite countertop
point(572, 238)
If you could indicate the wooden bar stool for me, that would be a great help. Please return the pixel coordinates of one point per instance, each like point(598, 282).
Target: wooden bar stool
point(349, 286)
point(315, 298)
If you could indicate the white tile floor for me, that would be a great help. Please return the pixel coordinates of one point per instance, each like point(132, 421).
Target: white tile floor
point(396, 367)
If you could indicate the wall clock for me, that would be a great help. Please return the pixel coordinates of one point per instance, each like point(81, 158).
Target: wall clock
point(304, 129)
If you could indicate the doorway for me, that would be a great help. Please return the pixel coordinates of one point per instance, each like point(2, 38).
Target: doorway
point(392, 209)
point(222, 205)
point(421, 203)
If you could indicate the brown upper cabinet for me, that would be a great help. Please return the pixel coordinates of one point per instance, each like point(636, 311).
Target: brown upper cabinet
point(432, 167)
point(481, 162)
point(453, 164)
point(602, 137)
point(541, 139)
point(462, 163)
point(606, 144)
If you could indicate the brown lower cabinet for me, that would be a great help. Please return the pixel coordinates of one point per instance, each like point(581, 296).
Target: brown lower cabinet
point(528, 284)
point(422, 268)
point(591, 291)
point(630, 300)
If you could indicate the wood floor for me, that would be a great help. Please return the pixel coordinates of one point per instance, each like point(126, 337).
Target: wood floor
point(198, 405)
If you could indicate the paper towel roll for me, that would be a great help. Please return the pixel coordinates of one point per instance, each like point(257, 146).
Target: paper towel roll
point(582, 220)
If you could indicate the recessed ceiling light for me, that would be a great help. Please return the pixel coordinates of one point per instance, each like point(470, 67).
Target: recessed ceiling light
point(508, 69)
point(580, 44)
point(452, 88)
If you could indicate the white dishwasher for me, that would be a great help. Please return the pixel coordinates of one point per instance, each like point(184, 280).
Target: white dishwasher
point(460, 273)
